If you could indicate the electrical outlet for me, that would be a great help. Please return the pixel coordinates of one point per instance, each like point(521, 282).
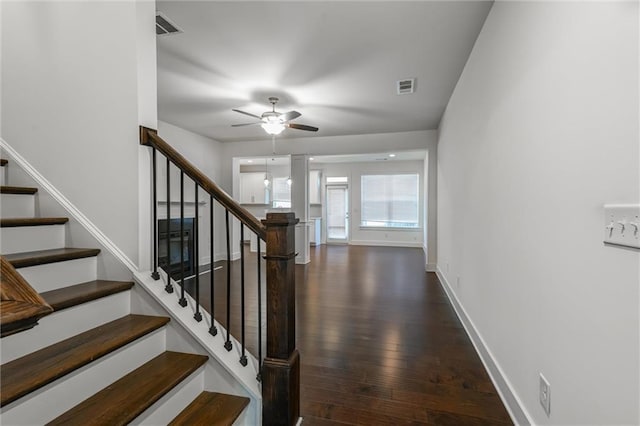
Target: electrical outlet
point(545, 395)
point(457, 282)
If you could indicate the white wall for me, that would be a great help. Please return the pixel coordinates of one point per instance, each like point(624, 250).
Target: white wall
point(339, 145)
point(373, 236)
point(541, 131)
point(147, 71)
point(70, 105)
point(204, 153)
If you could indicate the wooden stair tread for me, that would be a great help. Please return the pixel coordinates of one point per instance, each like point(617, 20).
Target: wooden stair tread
point(125, 399)
point(24, 375)
point(74, 295)
point(3, 162)
point(4, 189)
point(33, 221)
point(213, 409)
point(41, 257)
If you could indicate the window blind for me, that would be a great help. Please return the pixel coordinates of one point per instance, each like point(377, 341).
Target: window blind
point(390, 201)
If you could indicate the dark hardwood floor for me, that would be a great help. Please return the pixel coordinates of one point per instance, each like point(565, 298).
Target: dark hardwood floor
point(379, 341)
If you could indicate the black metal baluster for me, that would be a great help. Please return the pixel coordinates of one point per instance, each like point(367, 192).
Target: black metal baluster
point(183, 300)
point(243, 357)
point(227, 344)
point(198, 315)
point(168, 288)
point(213, 330)
point(155, 275)
point(259, 377)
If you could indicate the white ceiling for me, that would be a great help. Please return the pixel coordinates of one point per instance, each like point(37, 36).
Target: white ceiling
point(336, 62)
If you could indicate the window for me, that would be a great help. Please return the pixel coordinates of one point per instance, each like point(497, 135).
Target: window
point(390, 201)
point(281, 193)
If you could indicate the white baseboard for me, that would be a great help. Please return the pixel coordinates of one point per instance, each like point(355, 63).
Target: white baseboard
point(512, 402)
point(431, 267)
point(384, 243)
point(68, 206)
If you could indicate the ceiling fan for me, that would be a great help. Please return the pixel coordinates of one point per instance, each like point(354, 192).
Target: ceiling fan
point(274, 122)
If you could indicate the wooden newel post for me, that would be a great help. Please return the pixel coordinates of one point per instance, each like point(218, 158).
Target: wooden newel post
point(281, 368)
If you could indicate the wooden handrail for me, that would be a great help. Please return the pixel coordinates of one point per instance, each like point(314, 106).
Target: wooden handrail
point(149, 137)
point(20, 306)
point(280, 371)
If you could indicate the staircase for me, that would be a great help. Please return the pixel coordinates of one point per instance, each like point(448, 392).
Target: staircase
point(94, 359)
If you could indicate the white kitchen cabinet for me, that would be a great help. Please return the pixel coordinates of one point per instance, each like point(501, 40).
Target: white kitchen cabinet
point(315, 183)
point(252, 189)
point(315, 231)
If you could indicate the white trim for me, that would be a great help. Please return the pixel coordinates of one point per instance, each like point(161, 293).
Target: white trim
point(428, 267)
point(222, 257)
point(513, 404)
point(199, 330)
point(68, 206)
point(390, 228)
point(385, 243)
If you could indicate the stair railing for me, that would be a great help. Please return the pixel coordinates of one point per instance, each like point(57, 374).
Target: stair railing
point(279, 370)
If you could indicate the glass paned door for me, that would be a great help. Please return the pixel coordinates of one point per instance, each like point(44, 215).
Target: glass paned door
point(337, 213)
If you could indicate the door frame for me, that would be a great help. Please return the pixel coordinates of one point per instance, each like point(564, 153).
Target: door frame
point(347, 238)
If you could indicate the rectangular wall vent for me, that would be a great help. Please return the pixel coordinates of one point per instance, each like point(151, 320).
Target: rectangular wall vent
point(164, 26)
point(406, 86)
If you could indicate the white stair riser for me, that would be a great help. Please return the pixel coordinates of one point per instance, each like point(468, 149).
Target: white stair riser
point(66, 323)
point(30, 238)
point(245, 418)
point(170, 405)
point(3, 173)
point(56, 275)
point(17, 205)
point(54, 399)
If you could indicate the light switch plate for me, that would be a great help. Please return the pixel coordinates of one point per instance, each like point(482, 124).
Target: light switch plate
point(545, 395)
point(622, 225)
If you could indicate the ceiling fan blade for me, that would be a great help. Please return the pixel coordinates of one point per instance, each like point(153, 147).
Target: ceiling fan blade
point(245, 124)
point(247, 113)
point(289, 115)
point(301, 127)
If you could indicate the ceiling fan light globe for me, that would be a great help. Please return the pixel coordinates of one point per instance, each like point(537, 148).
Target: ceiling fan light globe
point(273, 128)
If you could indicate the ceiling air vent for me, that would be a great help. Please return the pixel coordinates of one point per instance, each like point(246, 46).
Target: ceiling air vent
point(406, 86)
point(164, 26)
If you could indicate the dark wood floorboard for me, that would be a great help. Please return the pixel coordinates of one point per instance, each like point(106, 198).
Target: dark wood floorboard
point(379, 341)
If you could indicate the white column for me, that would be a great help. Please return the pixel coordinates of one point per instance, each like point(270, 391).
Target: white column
point(300, 204)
